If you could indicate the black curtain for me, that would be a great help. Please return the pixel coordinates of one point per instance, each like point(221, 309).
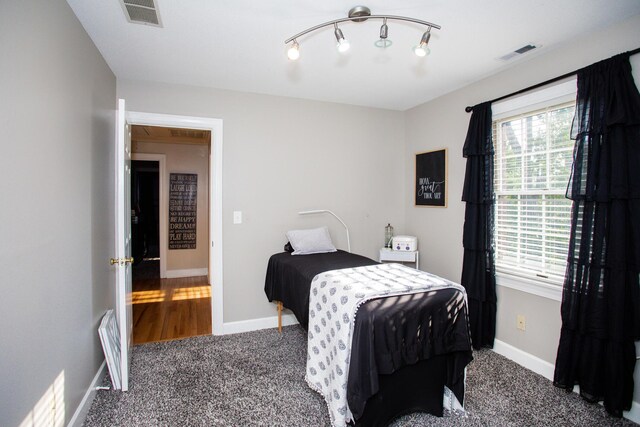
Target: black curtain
point(600, 301)
point(478, 269)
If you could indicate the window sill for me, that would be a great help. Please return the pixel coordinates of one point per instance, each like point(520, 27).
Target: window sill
point(529, 286)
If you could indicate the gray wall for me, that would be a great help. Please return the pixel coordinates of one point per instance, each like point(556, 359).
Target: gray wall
point(56, 220)
point(283, 155)
point(443, 123)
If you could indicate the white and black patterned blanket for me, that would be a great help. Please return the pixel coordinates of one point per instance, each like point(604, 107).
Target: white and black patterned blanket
point(334, 300)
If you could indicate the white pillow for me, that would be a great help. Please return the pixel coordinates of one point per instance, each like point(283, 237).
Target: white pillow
point(312, 241)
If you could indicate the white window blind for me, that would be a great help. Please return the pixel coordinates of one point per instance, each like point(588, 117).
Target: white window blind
point(533, 156)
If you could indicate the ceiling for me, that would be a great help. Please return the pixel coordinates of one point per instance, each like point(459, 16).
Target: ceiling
point(239, 44)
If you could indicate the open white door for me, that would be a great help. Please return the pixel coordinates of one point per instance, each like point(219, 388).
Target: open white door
point(123, 258)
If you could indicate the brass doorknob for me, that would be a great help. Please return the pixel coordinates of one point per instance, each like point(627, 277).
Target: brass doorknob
point(122, 261)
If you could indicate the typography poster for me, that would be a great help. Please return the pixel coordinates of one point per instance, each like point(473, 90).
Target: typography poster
point(183, 207)
point(431, 178)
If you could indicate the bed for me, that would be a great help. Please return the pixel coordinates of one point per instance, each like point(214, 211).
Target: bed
point(408, 352)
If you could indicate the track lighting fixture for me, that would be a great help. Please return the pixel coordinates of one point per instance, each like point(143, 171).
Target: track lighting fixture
point(361, 14)
point(422, 48)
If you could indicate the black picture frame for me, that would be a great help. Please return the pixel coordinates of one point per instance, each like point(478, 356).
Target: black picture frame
point(183, 210)
point(431, 179)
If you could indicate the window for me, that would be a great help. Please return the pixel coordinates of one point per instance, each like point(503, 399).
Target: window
point(533, 157)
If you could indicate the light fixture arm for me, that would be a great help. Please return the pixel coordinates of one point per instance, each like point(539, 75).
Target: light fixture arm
point(319, 211)
point(360, 18)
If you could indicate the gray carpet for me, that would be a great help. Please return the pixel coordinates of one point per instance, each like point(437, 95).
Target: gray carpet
point(257, 379)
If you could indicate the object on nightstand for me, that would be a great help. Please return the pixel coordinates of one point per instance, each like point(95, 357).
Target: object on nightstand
point(405, 243)
point(388, 235)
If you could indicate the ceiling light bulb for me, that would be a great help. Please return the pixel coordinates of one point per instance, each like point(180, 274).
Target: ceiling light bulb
point(384, 42)
point(343, 44)
point(422, 49)
point(293, 52)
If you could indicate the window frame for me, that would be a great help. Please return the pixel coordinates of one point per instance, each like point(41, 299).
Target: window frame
point(548, 96)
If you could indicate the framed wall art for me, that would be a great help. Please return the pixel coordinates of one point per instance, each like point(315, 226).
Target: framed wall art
point(183, 208)
point(431, 178)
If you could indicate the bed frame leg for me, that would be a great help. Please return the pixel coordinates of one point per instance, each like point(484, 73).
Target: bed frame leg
point(279, 316)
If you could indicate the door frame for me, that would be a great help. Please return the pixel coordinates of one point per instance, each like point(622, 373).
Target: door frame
point(215, 197)
point(164, 223)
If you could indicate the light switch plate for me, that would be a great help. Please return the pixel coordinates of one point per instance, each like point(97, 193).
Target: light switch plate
point(237, 217)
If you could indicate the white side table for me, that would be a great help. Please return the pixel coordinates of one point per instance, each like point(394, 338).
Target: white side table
point(389, 255)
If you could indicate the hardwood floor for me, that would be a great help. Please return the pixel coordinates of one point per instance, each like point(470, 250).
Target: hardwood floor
point(167, 309)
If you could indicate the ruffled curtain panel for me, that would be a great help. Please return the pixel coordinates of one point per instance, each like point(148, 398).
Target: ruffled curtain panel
point(601, 299)
point(478, 269)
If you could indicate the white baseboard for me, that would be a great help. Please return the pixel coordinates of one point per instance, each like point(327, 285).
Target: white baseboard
point(256, 324)
point(546, 369)
point(190, 272)
point(634, 413)
point(85, 404)
point(529, 361)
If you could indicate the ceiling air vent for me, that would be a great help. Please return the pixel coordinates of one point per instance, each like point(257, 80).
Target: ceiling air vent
point(518, 52)
point(141, 12)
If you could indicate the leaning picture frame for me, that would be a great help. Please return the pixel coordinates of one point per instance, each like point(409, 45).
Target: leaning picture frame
point(431, 180)
point(110, 339)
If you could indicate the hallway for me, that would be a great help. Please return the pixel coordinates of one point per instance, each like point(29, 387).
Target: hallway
point(167, 309)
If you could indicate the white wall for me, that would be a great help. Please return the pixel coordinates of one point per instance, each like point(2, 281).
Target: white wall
point(56, 220)
point(283, 155)
point(443, 122)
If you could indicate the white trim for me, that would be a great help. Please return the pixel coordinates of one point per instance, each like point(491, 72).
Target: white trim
point(189, 272)
point(257, 324)
point(557, 93)
point(547, 96)
point(530, 286)
point(215, 201)
point(546, 369)
point(85, 404)
point(163, 226)
point(522, 358)
point(634, 413)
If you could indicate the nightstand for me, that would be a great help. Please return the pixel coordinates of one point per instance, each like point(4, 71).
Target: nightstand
point(389, 255)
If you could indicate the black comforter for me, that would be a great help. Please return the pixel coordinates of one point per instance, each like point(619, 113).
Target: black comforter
point(393, 332)
point(389, 333)
point(289, 277)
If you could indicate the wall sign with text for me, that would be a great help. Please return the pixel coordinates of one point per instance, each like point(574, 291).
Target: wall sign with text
point(183, 196)
point(431, 178)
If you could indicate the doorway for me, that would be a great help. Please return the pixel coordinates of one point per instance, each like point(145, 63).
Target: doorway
point(145, 217)
point(215, 126)
point(170, 233)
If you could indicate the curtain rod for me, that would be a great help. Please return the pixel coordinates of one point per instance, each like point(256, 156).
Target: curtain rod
point(546, 82)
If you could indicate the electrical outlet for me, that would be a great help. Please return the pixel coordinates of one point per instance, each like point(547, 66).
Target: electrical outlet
point(521, 322)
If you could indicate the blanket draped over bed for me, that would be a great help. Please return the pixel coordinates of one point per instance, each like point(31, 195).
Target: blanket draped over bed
point(334, 301)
